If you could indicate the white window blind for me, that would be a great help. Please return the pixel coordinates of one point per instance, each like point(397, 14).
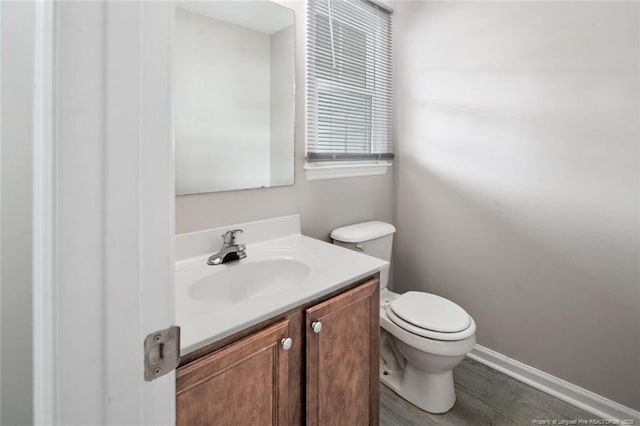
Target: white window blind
point(348, 81)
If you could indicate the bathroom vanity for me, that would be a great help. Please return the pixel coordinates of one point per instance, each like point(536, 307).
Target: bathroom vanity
point(300, 349)
point(316, 364)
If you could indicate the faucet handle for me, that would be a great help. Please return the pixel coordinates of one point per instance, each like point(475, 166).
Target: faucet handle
point(230, 236)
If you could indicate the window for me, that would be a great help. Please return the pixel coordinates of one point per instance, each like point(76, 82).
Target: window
point(348, 84)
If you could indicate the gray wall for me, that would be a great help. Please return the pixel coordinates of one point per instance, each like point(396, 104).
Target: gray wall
point(518, 184)
point(323, 205)
point(17, 26)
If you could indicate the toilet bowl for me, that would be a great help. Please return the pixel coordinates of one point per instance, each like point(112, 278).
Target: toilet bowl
point(425, 376)
point(423, 336)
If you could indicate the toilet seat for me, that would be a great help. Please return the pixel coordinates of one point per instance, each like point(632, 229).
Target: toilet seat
point(430, 316)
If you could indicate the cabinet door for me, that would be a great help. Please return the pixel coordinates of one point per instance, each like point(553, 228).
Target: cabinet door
point(342, 358)
point(244, 383)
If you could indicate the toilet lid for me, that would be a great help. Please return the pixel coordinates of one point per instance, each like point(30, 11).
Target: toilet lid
point(430, 312)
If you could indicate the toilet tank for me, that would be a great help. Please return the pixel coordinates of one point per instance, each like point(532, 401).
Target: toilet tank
point(374, 238)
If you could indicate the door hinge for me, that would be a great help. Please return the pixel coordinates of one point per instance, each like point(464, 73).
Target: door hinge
point(161, 352)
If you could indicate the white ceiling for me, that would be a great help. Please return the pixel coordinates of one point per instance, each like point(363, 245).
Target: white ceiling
point(262, 16)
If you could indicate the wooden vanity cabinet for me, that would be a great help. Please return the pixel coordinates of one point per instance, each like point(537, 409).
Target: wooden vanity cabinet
point(329, 375)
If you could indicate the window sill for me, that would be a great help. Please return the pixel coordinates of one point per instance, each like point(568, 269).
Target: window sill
point(318, 171)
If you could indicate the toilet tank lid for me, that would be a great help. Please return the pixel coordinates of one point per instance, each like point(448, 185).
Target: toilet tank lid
point(361, 232)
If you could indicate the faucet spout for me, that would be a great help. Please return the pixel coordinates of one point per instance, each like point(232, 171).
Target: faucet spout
point(229, 251)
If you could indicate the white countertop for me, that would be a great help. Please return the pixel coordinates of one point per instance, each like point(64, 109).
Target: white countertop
point(203, 323)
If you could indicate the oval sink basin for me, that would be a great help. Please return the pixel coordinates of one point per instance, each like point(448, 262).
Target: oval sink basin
point(245, 281)
point(263, 273)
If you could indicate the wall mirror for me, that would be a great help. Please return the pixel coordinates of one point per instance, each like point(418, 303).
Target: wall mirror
point(234, 76)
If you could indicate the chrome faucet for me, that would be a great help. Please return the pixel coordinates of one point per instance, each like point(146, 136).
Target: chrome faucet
point(229, 250)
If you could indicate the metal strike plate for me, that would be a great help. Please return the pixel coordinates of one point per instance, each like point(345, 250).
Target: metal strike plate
point(161, 352)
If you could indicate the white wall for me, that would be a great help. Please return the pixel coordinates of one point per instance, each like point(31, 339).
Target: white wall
point(222, 105)
point(282, 106)
point(17, 38)
point(323, 205)
point(518, 178)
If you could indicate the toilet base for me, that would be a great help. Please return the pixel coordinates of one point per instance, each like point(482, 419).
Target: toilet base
point(431, 392)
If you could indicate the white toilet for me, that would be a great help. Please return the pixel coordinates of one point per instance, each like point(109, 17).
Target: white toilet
point(423, 336)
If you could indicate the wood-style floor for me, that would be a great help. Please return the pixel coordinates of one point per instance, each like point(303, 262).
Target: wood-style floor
point(484, 397)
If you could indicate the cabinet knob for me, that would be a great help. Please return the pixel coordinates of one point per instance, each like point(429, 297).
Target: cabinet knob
point(316, 326)
point(286, 343)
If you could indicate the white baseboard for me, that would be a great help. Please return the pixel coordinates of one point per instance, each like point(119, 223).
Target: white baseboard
point(595, 404)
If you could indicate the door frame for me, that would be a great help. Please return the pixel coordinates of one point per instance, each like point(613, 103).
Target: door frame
point(43, 311)
point(103, 210)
